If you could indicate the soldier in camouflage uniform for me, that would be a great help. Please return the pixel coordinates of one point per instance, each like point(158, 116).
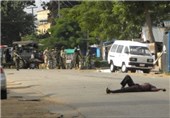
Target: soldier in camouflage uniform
point(54, 55)
point(88, 58)
point(57, 58)
point(16, 57)
point(63, 58)
point(46, 57)
point(50, 60)
point(76, 58)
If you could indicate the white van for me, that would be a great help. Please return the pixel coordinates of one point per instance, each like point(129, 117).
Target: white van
point(130, 55)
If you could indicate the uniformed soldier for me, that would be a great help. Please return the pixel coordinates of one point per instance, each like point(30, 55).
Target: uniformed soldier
point(16, 57)
point(76, 58)
point(53, 54)
point(7, 58)
point(63, 58)
point(57, 58)
point(50, 60)
point(88, 58)
point(46, 57)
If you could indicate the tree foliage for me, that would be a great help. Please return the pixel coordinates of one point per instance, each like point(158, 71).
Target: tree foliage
point(15, 22)
point(119, 19)
point(66, 31)
point(105, 20)
point(81, 20)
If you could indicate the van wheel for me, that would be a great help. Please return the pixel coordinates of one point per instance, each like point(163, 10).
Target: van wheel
point(4, 94)
point(124, 69)
point(112, 67)
point(146, 71)
point(133, 70)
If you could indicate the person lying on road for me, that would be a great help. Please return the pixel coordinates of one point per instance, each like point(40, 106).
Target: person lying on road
point(134, 87)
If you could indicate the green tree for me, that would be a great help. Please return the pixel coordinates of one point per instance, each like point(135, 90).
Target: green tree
point(67, 32)
point(137, 14)
point(103, 20)
point(15, 22)
point(92, 17)
point(118, 19)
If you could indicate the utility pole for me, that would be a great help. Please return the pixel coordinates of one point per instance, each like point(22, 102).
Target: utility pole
point(59, 8)
point(32, 8)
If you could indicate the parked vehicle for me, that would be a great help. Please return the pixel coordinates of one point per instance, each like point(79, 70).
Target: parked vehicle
point(30, 57)
point(130, 55)
point(3, 84)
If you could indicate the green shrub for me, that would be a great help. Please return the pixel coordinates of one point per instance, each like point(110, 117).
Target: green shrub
point(100, 63)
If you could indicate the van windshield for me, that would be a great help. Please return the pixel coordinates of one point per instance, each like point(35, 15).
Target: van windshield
point(138, 50)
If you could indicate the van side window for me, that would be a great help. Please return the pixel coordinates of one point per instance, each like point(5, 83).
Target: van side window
point(126, 50)
point(119, 49)
point(114, 48)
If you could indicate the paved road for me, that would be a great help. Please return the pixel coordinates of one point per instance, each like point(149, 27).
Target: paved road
point(81, 93)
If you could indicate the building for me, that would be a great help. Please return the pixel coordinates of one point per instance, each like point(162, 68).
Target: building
point(158, 34)
point(42, 21)
point(105, 48)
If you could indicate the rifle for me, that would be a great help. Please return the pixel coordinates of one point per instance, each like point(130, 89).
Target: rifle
point(19, 57)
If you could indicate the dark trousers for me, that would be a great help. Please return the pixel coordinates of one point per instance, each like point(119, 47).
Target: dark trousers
point(127, 81)
point(17, 61)
point(132, 87)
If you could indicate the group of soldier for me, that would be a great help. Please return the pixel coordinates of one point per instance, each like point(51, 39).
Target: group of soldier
point(13, 57)
point(56, 58)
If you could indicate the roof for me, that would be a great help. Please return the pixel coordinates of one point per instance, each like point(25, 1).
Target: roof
point(69, 51)
point(24, 42)
point(130, 43)
point(108, 42)
point(158, 33)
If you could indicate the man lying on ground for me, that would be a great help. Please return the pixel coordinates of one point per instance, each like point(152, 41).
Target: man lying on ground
point(134, 87)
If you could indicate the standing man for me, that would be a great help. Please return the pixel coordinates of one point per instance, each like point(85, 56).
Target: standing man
point(7, 57)
point(88, 58)
point(76, 58)
point(63, 58)
point(54, 55)
point(16, 57)
point(57, 54)
point(50, 60)
point(46, 56)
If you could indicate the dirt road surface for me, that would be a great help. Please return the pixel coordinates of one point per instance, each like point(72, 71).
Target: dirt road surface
point(19, 105)
point(16, 106)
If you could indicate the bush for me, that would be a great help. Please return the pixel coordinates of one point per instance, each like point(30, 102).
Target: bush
point(97, 64)
point(100, 63)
